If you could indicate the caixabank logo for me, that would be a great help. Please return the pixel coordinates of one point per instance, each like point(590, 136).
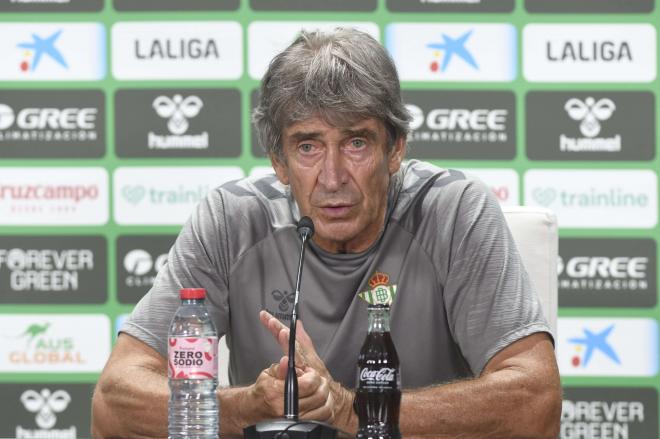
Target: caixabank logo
point(45, 410)
point(52, 51)
point(314, 5)
point(268, 38)
point(54, 342)
point(164, 195)
point(472, 125)
point(53, 269)
point(177, 50)
point(589, 52)
point(590, 6)
point(450, 5)
point(453, 51)
point(590, 198)
point(51, 5)
point(590, 125)
point(139, 259)
point(53, 196)
point(52, 123)
point(176, 5)
point(603, 347)
point(609, 412)
point(607, 272)
point(178, 123)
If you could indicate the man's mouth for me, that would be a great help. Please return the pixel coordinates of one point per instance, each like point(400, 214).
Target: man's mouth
point(336, 210)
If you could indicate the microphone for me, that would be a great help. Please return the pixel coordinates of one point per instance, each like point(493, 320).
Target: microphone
point(290, 427)
point(305, 230)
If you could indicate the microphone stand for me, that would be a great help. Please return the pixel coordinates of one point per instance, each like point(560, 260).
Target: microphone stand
point(290, 427)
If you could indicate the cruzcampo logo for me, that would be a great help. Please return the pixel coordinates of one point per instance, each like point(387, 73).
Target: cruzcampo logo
point(381, 292)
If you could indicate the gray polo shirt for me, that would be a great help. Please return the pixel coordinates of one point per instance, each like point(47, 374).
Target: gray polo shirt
point(462, 292)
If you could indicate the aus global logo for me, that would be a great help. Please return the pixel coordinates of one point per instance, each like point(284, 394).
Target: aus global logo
point(42, 346)
point(54, 342)
point(602, 347)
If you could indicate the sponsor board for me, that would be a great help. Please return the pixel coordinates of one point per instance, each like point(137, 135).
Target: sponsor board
point(164, 195)
point(609, 412)
point(589, 198)
point(262, 171)
point(471, 125)
point(177, 50)
point(58, 196)
point(53, 269)
point(52, 51)
point(589, 52)
point(178, 123)
point(450, 5)
point(257, 150)
point(313, 5)
point(51, 5)
point(590, 6)
point(139, 259)
point(602, 346)
point(462, 52)
point(119, 322)
point(268, 38)
point(54, 342)
point(52, 123)
point(46, 410)
point(590, 125)
point(503, 183)
point(176, 5)
point(607, 272)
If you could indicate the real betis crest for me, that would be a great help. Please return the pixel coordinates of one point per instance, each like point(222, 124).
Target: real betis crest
point(381, 293)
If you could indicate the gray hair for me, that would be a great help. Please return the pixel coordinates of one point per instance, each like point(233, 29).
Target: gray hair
point(342, 76)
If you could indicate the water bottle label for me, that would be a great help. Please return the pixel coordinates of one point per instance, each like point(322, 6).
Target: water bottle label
point(192, 357)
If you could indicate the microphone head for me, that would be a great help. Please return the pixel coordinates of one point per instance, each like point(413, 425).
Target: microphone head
point(305, 227)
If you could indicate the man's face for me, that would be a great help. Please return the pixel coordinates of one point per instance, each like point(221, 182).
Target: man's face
point(339, 177)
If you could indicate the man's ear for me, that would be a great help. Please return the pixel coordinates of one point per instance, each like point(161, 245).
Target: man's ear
point(396, 155)
point(280, 168)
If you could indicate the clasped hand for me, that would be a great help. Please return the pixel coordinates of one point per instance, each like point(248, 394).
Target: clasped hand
point(319, 396)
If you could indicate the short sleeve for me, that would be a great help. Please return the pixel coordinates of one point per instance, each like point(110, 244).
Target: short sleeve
point(489, 298)
point(196, 260)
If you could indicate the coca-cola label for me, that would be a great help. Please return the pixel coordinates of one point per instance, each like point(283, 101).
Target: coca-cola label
point(192, 357)
point(385, 377)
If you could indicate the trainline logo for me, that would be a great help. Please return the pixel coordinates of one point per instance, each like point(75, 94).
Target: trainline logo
point(165, 195)
point(596, 198)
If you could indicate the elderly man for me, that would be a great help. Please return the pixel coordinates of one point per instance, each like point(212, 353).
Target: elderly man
point(476, 356)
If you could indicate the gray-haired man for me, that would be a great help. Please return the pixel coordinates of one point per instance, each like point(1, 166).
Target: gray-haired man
point(476, 357)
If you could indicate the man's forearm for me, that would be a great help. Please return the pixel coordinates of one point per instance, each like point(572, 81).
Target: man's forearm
point(130, 404)
point(501, 405)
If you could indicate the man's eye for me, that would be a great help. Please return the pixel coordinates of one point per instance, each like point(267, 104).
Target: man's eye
point(358, 143)
point(306, 147)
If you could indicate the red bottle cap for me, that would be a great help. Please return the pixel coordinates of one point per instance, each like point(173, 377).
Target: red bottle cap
point(192, 293)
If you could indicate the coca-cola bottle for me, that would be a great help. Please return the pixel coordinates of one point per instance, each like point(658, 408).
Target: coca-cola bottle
point(378, 392)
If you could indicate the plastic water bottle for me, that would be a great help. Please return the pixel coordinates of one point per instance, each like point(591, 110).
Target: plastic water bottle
point(192, 370)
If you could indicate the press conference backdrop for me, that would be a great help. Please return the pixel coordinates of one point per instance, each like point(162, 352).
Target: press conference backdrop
point(117, 117)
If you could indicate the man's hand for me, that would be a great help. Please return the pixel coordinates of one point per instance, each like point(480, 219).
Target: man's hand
point(323, 398)
point(314, 398)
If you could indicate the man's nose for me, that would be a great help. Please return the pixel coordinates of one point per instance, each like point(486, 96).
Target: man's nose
point(333, 172)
